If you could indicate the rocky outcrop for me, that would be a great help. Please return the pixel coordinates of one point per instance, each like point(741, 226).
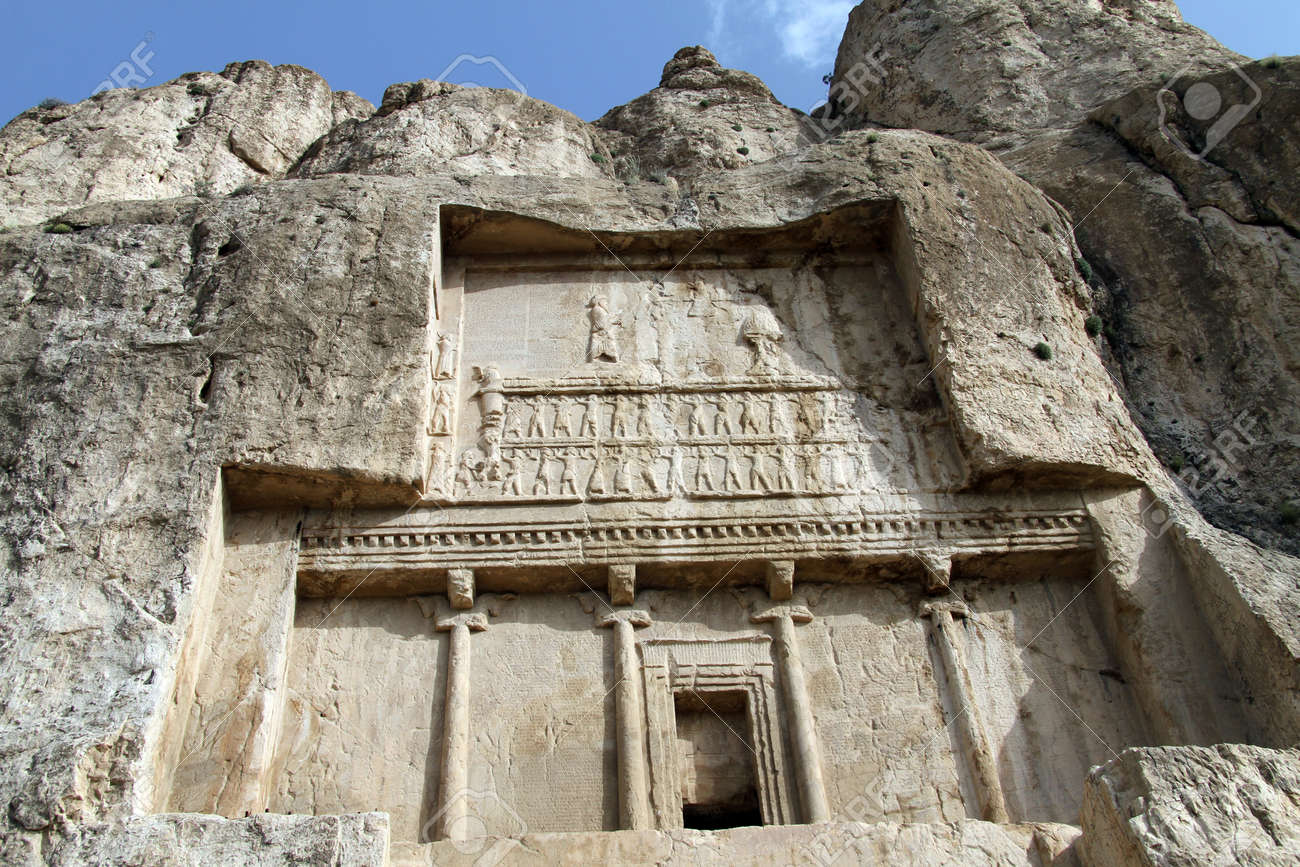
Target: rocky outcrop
point(202, 134)
point(701, 117)
point(1228, 804)
point(1194, 262)
point(979, 70)
point(431, 127)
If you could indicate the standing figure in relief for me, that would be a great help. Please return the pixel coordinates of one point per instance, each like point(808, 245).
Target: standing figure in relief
point(596, 484)
point(829, 411)
point(778, 419)
point(814, 460)
point(758, 478)
point(833, 460)
point(722, 417)
point(569, 476)
point(618, 426)
point(676, 473)
point(542, 483)
point(787, 471)
point(694, 417)
point(490, 445)
point(537, 422)
point(748, 414)
point(515, 413)
point(704, 471)
point(622, 474)
point(561, 426)
point(440, 420)
point(589, 426)
point(512, 481)
point(445, 366)
point(731, 480)
point(604, 344)
point(644, 425)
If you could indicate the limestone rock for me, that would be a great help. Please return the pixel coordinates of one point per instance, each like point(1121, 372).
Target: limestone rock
point(436, 128)
point(979, 69)
point(1228, 804)
point(203, 133)
point(700, 117)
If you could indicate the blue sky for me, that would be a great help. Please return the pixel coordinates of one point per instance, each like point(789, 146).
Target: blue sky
point(584, 56)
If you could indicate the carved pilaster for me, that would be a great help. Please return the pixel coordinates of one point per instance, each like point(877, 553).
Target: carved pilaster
point(961, 697)
point(633, 781)
point(808, 765)
point(452, 789)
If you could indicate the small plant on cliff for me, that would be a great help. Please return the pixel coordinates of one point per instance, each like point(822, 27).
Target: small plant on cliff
point(742, 151)
point(597, 158)
point(1177, 463)
point(50, 102)
point(1085, 270)
point(873, 137)
point(1043, 351)
point(1289, 512)
point(737, 127)
point(704, 103)
point(771, 129)
point(1271, 62)
point(58, 228)
point(1093, 325)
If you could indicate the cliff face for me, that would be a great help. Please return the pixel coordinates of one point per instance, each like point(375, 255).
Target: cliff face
point(1184, 210)
point(242, 280)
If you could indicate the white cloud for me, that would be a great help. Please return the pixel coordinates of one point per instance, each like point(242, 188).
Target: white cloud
point(809, 30)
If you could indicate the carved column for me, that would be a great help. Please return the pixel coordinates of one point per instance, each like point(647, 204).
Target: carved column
point(633, 782)
point(808, 762)
point(455, 725)
point(970, 730)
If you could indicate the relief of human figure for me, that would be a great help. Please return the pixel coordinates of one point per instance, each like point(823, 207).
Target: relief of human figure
point(787, 471)
point(604, 343)
point(589, 425)
point(748, 414)
point(537, 420)
point(542, 482)
point(622, 474)
point(644, 423)
point(778, 417)
point(646, 470)
point(721, 417)
point(676, 472)
point(467, 471)
point(618, 427)
point(561, 426)
point(704, 471)
point(515, 413)
point(512, 477)
point(758, 477)
point(569, 475)
point(445, 366)
point(597, 485)
point(694, 417)
point(440, 419)
point(490, 445)
point(813, 458)
point(731, 480)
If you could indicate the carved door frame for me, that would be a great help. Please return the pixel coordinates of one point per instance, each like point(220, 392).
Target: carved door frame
point(741, 664)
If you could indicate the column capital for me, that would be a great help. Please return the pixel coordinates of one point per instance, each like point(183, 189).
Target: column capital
point(797, 613)
point(475, 621)
point(611, 616)
point(936, 564)
point(622, 583)
point(954, 607)
point(780, 580)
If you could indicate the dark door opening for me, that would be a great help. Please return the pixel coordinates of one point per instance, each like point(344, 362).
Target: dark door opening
point(715, 761)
